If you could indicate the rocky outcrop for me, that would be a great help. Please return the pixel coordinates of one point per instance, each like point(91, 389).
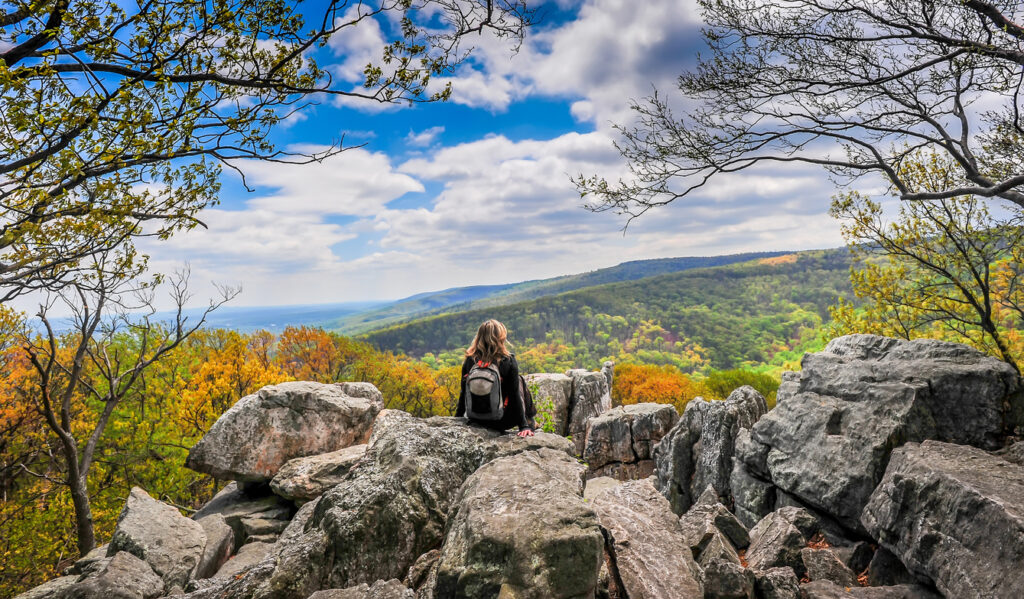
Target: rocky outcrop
point(863, 396)
point(307, 478)
point(244, 509)
point(261, 432)
point(712, 532)
point(158, 534)
point(954, 515)
point(591, 396)
point(619, 442)
point(699, 449)
point(645, 543)
point(520, 529)
point(556, 389)
point(778, 539)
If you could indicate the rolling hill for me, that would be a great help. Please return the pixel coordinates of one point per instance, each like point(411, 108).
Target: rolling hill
point(765, 311)
point(462, 299)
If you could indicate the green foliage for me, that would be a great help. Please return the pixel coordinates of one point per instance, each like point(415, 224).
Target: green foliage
point(720, 383)
point(948, 269)
point(768, 311)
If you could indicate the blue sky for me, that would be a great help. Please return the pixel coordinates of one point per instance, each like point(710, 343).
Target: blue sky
point(477, 190)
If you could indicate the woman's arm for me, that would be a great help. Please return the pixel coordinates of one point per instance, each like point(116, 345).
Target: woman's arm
point(460, 408)
point(515, 402)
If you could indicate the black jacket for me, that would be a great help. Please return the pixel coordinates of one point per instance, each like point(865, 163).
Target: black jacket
point(514, 415)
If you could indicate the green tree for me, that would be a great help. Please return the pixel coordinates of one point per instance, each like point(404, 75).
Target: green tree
point(945, 268)
point(855, 86)
point(117, 116)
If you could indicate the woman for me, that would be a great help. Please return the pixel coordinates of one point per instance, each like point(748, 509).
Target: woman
point(488, 348)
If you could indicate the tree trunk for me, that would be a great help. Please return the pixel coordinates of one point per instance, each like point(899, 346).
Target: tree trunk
point(83, 514)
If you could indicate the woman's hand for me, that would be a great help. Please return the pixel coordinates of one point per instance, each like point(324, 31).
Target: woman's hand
point(525, 433)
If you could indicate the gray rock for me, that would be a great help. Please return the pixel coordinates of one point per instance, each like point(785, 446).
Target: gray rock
point(699, 450)
point(520, 529)
point(865, 395)
point(420, 570)
point(855, 556)
point(712, 533)
point(590, 397)
point(955, 515)
point(363, 390)
point(247, 557)
point(262, 527)
point(824, 564)
point(390, 511)
point(716, 548)
point(86, 562)
point(753, 498)
point(261, 432)
point(823, 589)
point(394, 506)
point(598, 485)
point(306, 478)
point(726, 580)
point(123, 576)
point(776, 542)
point(626, 434)
point(1013, 453)
point(554, 388)
point(220, 543)
point(885, 569)
point(645, 542)
point(158, 534)
point(382, 589)
point(777, 583)
point(49, 589)
point(235, 504)
point(624, 472)
point(608, 370)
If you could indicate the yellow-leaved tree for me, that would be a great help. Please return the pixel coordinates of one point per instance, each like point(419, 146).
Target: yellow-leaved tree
point(949, 269)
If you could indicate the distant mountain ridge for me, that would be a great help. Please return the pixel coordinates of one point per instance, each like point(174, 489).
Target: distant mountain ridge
point(462, 299)
point(765, 311)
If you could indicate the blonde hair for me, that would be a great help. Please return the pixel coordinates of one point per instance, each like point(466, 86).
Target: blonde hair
point(489, 344)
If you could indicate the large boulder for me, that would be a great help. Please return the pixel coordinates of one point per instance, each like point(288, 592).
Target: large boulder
point(646, 543)
point(552, 393)
point(954, 515)
point(777, 540)
point(699, 449)
point(625, 436)
point(520, 528)
point(158, 534)
point(591, 396)
point(865, 395)
point(261, 432)
point(307, 478)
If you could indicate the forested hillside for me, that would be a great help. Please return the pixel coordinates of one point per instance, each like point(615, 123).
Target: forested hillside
point(761, 313)
point(462, 299)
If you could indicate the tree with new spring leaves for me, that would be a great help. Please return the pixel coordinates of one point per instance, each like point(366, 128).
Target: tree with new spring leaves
point(116, 117)
point(855, 86)
point(949, 268)
point(88, 365)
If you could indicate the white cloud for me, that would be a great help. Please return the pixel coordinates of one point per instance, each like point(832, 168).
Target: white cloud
point(423, 138)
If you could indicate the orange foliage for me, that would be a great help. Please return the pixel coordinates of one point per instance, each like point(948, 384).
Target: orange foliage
point(785, 259)
point(636, 383)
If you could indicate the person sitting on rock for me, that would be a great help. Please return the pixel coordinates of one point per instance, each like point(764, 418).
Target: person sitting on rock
point(489, 394)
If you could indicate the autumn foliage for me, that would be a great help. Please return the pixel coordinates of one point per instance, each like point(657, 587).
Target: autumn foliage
point(167, 412)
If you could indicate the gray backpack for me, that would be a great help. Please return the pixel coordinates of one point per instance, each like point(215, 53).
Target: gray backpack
point(483, 392)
